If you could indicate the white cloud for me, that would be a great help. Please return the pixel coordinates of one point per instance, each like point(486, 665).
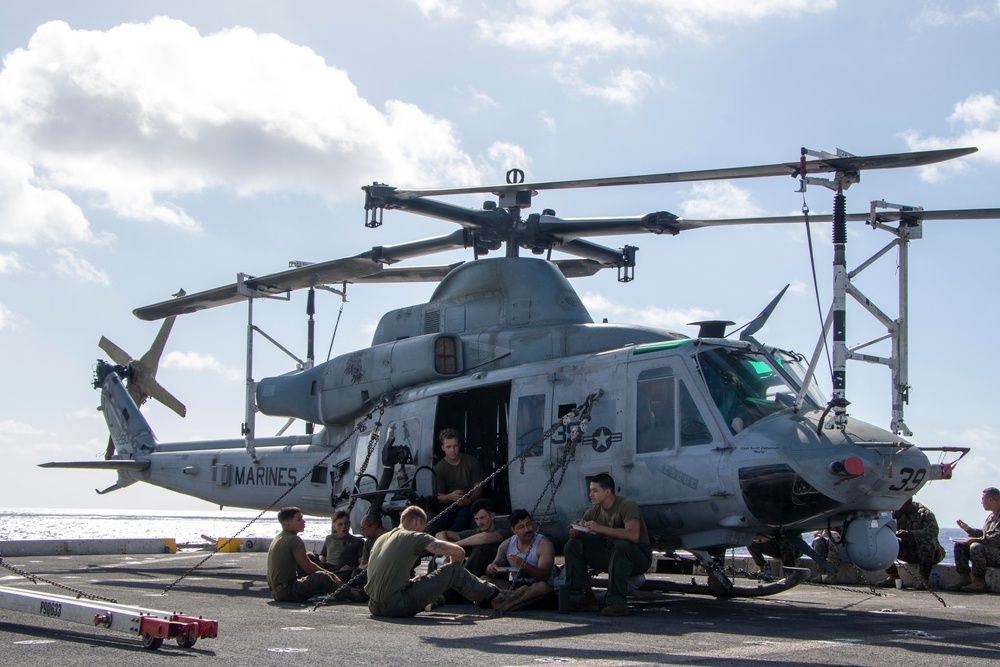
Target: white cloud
point(12, 431)
point(478, 100)
point(87, 413)
point(975, 122)
point(9, 263)
point(651, 316)
point(70, 265)
point(582, 35)
point(6, 318)
point(691, 17)
point(442, 8)
point(548, 121)
point(506, 156)
point(626, 87)
point(945, 15)
point(139, 114)
point(30, 212)
point(196, 361)
point(718, 199)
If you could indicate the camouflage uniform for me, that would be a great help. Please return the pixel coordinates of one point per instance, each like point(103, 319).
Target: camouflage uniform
point(919, 544)
point(984, 553)
point(780, 548)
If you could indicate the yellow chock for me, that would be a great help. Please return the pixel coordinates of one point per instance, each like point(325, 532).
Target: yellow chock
point(228, 545)
point(170, 544)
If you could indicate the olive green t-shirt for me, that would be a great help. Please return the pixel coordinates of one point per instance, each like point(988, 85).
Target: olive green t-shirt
point(622, 510)
point(391, 561)
point(463, 475)
point(339, 551)
point(281, 565)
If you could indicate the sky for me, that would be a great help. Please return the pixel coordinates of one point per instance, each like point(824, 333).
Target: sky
point(152, 146)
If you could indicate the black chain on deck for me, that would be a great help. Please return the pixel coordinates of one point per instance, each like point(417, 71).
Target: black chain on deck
point(923, 582)
point(358, 428)
point(34, 578)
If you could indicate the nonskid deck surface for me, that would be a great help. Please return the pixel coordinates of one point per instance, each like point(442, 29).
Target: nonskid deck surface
point(806, 625)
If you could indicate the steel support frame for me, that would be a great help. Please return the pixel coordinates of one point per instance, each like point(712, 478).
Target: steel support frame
point(897, 329)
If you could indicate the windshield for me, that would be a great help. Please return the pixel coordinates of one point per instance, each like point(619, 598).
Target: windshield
point(747, 386)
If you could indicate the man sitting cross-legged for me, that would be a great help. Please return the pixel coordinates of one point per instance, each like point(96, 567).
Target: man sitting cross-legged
point(532, 557)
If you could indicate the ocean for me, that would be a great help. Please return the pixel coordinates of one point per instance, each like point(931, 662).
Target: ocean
point(186, 527)
point(190, 527)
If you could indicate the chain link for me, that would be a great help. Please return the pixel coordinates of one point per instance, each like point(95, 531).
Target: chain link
point(34, 578)
point(563, 421)
point(562, 463)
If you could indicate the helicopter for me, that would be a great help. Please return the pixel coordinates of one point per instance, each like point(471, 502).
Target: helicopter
point(719, 440)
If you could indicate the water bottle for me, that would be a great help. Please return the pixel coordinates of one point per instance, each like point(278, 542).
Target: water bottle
point(767, 571)
point(935, 583)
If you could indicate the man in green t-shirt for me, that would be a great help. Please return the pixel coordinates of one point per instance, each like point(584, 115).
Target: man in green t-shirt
point(341, 551)
point(286, 555)
point(455, 475)
point(391, 590)
point(479, 542)
point(611, 537)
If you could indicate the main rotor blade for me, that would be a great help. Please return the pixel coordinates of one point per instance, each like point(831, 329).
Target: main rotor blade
point(334, 271)
point(409, 274)
point(592, 251)
point(683, 224)
point(824, 165)
point(365, 267)
point(118, 355)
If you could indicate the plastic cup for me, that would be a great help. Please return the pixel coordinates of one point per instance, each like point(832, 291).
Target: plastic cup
point(899, 583)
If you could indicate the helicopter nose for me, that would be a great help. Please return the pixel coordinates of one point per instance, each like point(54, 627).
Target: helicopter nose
point(852, 466)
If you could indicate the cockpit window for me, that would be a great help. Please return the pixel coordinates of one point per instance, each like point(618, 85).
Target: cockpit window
point(747, 387)
point(666, 414)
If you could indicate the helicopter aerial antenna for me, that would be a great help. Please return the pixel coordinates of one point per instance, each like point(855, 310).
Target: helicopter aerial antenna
point(758, 322)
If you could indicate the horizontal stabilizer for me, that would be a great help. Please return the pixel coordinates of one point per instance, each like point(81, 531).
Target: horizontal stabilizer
point(134, 466)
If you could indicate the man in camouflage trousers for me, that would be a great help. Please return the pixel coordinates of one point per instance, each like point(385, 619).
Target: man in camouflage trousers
point(983, 546)
point(917, 532)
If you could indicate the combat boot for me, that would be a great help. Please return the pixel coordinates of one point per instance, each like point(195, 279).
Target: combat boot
point(888, 583)
point(978, 585)
point(964, 579)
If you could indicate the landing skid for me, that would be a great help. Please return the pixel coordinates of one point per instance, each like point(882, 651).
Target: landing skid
point(793, 577)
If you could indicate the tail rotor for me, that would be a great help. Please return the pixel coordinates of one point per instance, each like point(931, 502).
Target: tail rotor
point(141, 382)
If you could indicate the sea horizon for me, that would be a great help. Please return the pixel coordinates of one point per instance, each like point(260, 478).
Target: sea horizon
point(192, 526)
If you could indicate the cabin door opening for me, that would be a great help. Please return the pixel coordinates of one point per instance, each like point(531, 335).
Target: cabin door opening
point(480, 415)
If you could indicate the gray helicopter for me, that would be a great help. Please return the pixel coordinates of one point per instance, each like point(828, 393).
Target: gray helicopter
point(719, 440)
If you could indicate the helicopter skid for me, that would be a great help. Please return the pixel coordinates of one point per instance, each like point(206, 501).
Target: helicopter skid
point(793, 577)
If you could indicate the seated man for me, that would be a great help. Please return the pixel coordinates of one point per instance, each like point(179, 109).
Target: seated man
point(478, 542)
point(372, 529)
point(613, 539)
point(917, 532)
point(286, 555)
point(341, 551)
point(825, 543)
point(982, 548)
point(775, 547)
point(455, 475)
point(341, 554)
point(531, 555)
point(391, 590)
